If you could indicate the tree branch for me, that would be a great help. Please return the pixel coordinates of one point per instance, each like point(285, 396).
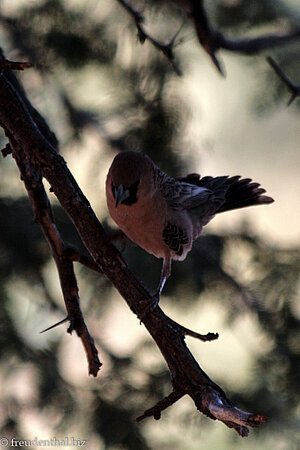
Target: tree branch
point(213, 40)
point(187, 332)
point(210, 39)
point(251, 46)
point(31, 148)
point(160, 406)
point(44, 217)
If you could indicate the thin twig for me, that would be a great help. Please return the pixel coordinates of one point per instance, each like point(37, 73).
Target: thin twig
point(156, 410)
point(293, 88)
point(187, 332)
point(166, 49)
point(252, 46)
point(143, 35)
point(136, 15)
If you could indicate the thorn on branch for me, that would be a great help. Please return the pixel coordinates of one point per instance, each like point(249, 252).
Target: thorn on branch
point(55, 325)
point(293, 88)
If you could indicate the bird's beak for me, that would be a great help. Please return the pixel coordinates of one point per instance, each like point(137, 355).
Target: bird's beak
point(121, 194)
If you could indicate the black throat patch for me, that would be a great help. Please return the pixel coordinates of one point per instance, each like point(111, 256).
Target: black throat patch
point(132, 193)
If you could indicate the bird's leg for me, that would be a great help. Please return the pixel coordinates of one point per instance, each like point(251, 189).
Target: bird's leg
point(165, 273)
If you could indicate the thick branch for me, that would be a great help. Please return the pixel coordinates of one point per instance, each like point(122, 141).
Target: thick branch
point(187, 376)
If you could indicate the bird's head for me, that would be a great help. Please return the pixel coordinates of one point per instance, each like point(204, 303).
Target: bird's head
point(130, 174)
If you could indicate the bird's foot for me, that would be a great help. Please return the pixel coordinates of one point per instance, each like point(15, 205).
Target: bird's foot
point(150, 307)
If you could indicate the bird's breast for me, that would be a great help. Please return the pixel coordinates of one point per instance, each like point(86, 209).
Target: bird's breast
point(143, 224)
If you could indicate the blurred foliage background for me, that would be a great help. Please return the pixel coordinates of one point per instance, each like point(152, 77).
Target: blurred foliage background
point(102, 92)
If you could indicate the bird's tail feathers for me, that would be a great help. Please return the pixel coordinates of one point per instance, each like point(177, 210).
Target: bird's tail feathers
point(233, 192)
point(243, 192)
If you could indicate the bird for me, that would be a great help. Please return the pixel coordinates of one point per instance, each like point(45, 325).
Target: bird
point(165, 215)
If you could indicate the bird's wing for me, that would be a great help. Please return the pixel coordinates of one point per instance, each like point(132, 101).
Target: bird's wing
point(202, 197)
point(181, 195)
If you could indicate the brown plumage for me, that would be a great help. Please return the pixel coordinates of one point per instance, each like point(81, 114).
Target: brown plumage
point(164, 215)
